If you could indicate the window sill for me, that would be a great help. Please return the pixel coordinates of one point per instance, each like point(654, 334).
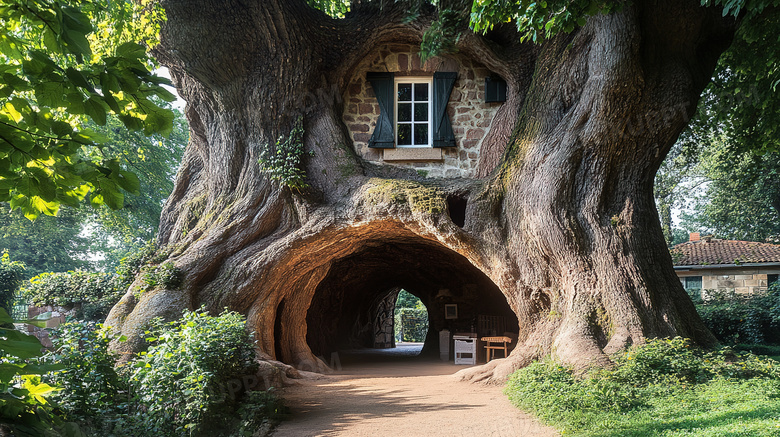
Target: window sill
point(412, 154)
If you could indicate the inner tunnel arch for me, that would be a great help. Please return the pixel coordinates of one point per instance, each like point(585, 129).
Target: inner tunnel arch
point(344, 302)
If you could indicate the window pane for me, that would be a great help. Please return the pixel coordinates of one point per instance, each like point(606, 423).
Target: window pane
point(421, 134)
point(693, 283)
point(420, 112)
point(404, 92)
point(421, 92)
point(404, 112)
point(404, 134)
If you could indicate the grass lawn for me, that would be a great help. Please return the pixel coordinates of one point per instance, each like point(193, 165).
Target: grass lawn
point(667, 389)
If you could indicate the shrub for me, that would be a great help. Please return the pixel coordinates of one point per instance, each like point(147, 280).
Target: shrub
point(186, 382)
point(411, 324)
point(11, 276)
point(258, 411)
point(25, 409)
point(97, 291)
point(547, 385)
point(742, 319)
point(191, 381)
point(165, 275)
point(130, 266)
point(662, 361)
point(93, 393)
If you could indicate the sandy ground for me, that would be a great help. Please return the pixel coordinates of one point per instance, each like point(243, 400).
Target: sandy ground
point(393, 393)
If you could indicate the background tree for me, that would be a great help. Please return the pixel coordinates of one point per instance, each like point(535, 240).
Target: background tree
point(742, 201)
point(48, 244)
point(730, 147)
point(563, 222)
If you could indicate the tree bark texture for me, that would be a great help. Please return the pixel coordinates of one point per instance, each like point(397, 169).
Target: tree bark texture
point(560, 227)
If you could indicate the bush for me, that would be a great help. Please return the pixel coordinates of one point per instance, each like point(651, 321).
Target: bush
point(193, 380)
point(93, 393)
point(25, 409)
point(188, 380)
point(11, 276)
point(97, 292)
point(165, 275)
point(411, 324)
point(742, 319)
point(130, 266)
point(661, 362)
point(547, 377)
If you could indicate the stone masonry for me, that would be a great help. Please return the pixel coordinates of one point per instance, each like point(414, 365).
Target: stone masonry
point(470, 115)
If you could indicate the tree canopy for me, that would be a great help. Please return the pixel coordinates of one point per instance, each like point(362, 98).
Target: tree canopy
point(65, 62)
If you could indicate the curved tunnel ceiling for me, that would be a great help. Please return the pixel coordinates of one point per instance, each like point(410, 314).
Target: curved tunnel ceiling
point(340, 312)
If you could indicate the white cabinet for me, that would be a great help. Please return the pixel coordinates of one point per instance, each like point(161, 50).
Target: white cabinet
point(465, 349)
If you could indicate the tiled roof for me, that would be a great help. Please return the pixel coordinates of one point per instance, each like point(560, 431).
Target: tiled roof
point(714, 251)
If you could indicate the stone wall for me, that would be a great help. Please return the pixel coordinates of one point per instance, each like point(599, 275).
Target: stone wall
point(470, 115)
point(747, 281)
point(58, 316)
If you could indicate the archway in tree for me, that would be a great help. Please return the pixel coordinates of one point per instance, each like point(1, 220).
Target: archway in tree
point(344, 309)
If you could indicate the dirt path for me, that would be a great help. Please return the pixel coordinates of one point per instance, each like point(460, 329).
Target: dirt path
point(396, 395)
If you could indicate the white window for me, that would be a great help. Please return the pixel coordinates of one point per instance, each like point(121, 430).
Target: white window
point(413, 111)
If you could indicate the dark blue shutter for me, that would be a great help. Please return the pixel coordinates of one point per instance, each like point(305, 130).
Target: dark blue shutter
point(383, 136)
point(443, 136)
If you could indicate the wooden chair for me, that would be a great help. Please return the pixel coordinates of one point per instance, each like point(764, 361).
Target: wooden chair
point(492, 345)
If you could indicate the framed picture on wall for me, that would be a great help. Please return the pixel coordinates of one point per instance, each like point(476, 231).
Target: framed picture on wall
point(451, 311)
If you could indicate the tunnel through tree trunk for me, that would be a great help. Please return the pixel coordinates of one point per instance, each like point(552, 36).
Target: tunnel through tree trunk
point(341, 314)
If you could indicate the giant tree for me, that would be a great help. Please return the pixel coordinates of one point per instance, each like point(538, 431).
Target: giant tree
point(561, 218)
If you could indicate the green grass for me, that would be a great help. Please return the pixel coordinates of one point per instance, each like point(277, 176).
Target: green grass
point(667, 389)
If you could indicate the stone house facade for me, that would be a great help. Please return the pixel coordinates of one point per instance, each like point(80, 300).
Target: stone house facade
point(405, 109)
point(744, 267)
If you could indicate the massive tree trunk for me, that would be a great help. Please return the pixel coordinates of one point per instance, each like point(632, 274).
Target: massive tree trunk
point(561, 221)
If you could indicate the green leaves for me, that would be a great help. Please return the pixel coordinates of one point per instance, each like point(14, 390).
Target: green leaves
point(92, 391)
point(192, 394)
point(283, 162)
point(537, 19)
point(96, 292)
point(735, 7)
point(67, 62)
point(734, 137)
point(24, 406)
point(334, 8)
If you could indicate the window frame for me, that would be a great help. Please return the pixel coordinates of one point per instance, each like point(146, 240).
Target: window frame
point(398, 80)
